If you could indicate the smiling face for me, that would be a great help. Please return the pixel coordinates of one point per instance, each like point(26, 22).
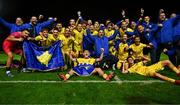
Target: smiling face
point(25, 34)
point(19, 21)
point(79, 27)
point(33, 20)
point(67, 32)
point(55, 33)
point(140, 29)
point(45, 33)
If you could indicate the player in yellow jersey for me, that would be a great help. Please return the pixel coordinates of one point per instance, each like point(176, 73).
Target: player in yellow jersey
point(152, 70)
point(60, 28)
point(85, 67)
point(137, 48)
point(42, 38)
point(122, 52)
point(54, 37)
point(79, 39)
point(67, 41)
point(124, 28)
point(96, 26)
point(109, 30)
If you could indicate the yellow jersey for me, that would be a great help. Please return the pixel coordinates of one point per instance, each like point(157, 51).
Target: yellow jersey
point(139, 68)
point(51, 39)
point(42, 40)
point(86, 61)
point(122, 54)
point(108, 33)
point(122, 32)
point(79, 39)
point(137, 50)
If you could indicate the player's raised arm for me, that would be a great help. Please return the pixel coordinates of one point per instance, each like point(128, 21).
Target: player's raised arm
point(71, 56)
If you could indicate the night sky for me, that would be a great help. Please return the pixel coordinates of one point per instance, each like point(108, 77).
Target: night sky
point(93, 9)
point(99, 10)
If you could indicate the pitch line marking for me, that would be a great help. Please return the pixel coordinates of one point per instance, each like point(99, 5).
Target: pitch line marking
point(80, 81)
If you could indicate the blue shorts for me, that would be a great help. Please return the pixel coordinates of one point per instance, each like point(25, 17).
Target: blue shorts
point(83, 69)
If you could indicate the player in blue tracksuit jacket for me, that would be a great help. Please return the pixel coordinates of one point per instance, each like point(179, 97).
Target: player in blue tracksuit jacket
point(176, 39)
point(101, 41)
point(164, 35)
point(34, 27)
point(13, 27)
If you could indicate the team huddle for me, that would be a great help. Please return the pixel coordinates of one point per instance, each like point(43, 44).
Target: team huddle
point(92, 47)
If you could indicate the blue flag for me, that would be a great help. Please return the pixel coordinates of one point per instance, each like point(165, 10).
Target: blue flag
point(43, 59)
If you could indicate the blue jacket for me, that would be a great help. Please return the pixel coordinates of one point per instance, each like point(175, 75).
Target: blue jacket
point(176, 31)
point(167, 31)
point(101, 42)
point(34, 30)
point(11, 26)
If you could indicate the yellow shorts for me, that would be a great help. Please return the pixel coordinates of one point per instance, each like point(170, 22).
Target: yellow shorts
point(155, 68)
point(120, 64)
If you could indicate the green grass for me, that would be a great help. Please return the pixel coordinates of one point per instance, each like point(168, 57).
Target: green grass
point(85, 93)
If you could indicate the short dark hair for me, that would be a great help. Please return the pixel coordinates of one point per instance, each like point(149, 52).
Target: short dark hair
point(44, 29)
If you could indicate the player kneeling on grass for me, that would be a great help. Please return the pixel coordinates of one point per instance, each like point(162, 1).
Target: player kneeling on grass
point(152, 70)
point(85, 67)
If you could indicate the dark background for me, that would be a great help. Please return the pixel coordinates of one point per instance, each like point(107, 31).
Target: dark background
point(91, 9)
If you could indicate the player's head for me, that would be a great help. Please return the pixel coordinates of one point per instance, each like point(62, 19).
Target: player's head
point(123, 25)
point(109, 26)
point(130, 60)
point(86, 54)
point(55, 32)
point(126, 20)
point(89, 22)
point(19, 21)
point(33, 20)
point(24, 33)
point(79, 27)
point(72, 22)
point(133, 24)
point(107, 22)
point(162, 16)
point(124, 38)
point(147, 19)
point(140, 29)
point(91, 27)
point(59, 26)
point(44, 32)
point(67, 32)
point(96, 25)
point(100, 33)
point(137, 40)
